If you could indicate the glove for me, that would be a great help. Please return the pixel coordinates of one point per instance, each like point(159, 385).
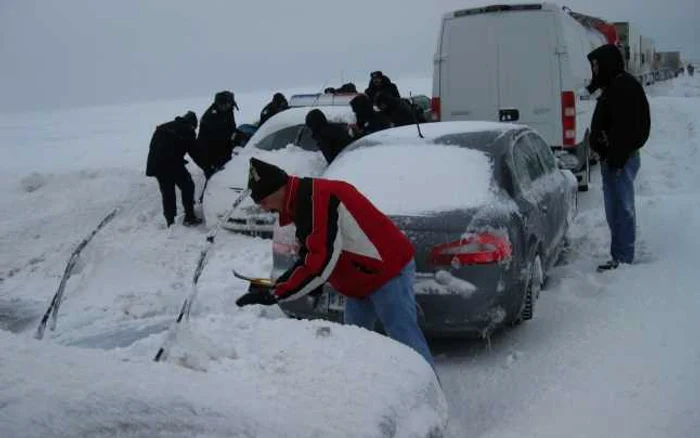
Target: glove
point(257, 295)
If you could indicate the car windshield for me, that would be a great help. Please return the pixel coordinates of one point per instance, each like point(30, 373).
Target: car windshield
point(289, 135)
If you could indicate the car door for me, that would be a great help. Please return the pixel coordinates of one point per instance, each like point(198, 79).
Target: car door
point(552, 187)
point(532, 201)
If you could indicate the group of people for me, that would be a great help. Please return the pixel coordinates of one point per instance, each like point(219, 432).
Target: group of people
point(381, 93)
point(210, 150)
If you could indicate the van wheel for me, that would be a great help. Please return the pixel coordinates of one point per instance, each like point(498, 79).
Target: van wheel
point(533, 288)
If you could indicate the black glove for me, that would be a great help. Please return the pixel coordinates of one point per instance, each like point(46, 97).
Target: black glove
point(257, 295)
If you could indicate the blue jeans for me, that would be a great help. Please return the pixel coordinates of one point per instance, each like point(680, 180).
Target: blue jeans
point(395, 305)
point(618, 193)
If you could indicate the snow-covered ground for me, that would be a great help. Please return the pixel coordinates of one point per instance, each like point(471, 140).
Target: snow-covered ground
point(608, 354)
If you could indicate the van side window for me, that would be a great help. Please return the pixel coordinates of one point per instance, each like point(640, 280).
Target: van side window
point(544, 152)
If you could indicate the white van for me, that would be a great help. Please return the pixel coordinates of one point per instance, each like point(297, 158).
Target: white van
point(521, 63)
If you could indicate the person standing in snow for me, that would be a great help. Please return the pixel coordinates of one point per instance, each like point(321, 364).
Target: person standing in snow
point(619, 128)
point(368, 120)
point(279, 103)
point(347, 242)
point(166, 162)
point(216, 131)
point(380, 83)
point(397, 110)
point(331, 138)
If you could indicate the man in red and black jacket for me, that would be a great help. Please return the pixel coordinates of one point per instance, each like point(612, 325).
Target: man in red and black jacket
point(347, 242)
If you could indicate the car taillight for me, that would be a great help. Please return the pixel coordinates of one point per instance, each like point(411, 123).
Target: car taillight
point(473, 249)
point(568, 118)
point(435, 108)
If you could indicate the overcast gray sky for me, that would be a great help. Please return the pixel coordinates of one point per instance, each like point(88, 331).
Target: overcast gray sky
point(58, 53)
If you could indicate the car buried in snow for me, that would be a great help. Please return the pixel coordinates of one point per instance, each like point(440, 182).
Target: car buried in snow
point(282, 140)
point(485, 205)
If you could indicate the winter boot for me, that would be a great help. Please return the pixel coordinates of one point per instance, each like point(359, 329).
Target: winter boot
point(608, 266)
point(191, 221)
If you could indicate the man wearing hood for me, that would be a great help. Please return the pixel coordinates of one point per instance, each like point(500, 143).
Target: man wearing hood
point(166, 162)
point(619, 128)
point(216, 131)
point(368, 120)
point(344, 241)
point(331, 138)
point(396, 109)
point(379, 83)
point(279, 103)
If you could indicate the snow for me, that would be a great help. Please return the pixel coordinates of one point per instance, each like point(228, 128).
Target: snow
point(610, 354)
point(432, 131)
point(416, 177)
point(225, 185)
point(297, 116)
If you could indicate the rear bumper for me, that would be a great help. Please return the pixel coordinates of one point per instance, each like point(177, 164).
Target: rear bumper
point(494, 302)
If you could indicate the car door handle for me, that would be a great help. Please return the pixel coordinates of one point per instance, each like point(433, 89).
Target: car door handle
point(543, 208)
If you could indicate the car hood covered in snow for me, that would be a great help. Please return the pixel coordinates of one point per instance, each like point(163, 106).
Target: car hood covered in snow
point(224, 386)
point(225, 185)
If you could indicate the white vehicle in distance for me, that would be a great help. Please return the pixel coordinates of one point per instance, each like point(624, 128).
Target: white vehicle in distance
point(522, 63)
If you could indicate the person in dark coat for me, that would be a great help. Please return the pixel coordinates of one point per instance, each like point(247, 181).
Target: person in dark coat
point(380, 83)
point(216, 131)
point(619, 128)
point(166, 162)
point(396, 109)
point(347, 88)
point(279, 103)
point(368, 120)
point(331, 138)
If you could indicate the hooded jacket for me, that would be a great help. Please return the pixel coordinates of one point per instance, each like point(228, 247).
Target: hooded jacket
point(344, 240)
point(278, 104)
point(399, 112)
point(169, 144)
point(368, 120)
point(386, 87)
point(621, 121)
point(215, 131)
point(331, 138)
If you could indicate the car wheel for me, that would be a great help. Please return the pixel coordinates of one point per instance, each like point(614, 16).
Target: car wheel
point(533, 288)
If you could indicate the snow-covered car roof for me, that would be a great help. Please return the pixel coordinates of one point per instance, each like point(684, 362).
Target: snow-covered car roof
point(423, 177)
point(433, 131)
point(297, 116)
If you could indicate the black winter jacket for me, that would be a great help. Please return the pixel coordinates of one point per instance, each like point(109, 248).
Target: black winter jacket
point(169, 144)
point(621, 121)
point(215, 132)
point(331, 138)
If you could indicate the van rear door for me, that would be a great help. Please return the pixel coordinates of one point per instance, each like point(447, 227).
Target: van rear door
point(528, 70)
point(468, 58)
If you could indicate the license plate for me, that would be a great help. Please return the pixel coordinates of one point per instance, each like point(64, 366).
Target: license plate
point(336, 302)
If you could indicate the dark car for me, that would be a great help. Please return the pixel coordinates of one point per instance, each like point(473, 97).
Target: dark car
point(485, 206)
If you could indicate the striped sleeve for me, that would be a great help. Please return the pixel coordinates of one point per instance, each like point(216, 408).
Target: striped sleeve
point(321, 250)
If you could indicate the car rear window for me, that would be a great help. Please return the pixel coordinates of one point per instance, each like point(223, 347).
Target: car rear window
point(417, 178)
point(286, 136)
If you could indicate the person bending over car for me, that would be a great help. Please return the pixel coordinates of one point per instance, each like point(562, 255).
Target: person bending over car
point(345, 241)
